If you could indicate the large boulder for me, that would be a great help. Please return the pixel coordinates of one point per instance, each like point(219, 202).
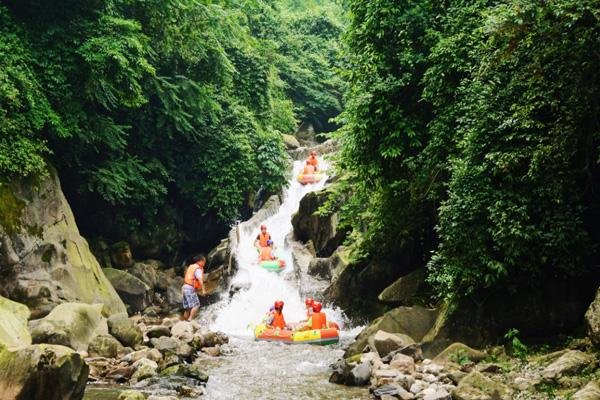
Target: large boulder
point(134, 292)
point(570, 363)
point(104, 346)
point(322, 230)
point(591, 391)
point(476, 386)
point(403, 289)
point(412, 321)
point(42, 372)
point(13, 324)
point(120, 255)
point(124, 330)
point(290, 141)
point(384, 342)
point(44, 261)
point(74, 325)
point(592, 320)
point(458, 351)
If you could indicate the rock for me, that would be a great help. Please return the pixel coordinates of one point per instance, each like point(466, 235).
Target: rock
point(120, 255)
point(155, 397)
point(144, 369)
point(413, 321)
point(291, 143)
point(418, 387)
point(457, 352)
point(53, 262)
point(591, 391)
point(570, 363)
point(151, 354)
point(385, 342)
point(212, 351)
point(436, 394)
point(359, 375)
point(73, 325)
point(13, 324)
point(302, 255)
point(394, 391)
point(135, 293)
point(190, 371)
point(320, 267)
point(120, 373)
point(42, 372)
point(490, 368)
point(172, 345)
point(124, 330)
point(321, 230)
point(592, 320)
point(146, 273)
point(131, 395)
point(183, 329)
point(157, 331)
point(403, 363)
point(104, 346)
point(340, 372)
point(403, 289)
point(476, 386)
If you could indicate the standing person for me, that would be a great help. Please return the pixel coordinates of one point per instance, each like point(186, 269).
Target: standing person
point(262, 238)
point(312, 160)
point(193, 280)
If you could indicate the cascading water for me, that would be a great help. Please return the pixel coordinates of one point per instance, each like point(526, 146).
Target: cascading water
point(264, 370)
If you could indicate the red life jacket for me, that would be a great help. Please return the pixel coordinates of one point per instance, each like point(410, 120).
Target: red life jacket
point(319, 321)
point(262, 239)
point(190, 276)
point(278, 321)
point(313, 161)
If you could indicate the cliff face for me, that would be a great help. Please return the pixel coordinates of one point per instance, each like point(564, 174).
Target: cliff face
point(44, 261)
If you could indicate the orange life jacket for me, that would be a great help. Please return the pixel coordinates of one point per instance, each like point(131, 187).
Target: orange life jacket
point(308, 170)
point(278, 321)
point(319, 321)
point(265, 253)
point(313, 161)
point(190, 276)
point(262, 239)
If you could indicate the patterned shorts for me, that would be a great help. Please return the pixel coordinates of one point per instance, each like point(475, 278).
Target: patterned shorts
point(190, 300)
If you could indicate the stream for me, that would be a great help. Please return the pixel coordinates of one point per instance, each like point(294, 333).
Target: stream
point(267, 370)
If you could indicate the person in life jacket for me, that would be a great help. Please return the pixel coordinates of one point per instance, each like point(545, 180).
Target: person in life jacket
point(312, 160)
point(262, 238)
point(193, 281)
point(278, 320)
point(268, 318)
point(266, 253)
point(309, 307)
point(309, 169)
point(318, 319)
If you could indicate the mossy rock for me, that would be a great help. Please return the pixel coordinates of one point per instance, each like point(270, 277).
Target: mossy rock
point(11, 210)
point(125, 330)
point(476, 386)
point(131, 395)
point(13, 324)
point(190, 371)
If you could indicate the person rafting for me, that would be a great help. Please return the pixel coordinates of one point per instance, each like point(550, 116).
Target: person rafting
point(268, 318)
point(266, 252)
point(318, 319)
point(193, 280)
point(312, 160)
point(262, 238)
point(309, 307)
point(278, 320)
point(309, 169)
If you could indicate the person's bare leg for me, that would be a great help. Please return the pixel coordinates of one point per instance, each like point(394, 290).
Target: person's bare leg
point(186, 315)
point(194, 313)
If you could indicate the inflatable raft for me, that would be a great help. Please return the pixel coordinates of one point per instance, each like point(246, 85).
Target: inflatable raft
point(310, 178)
point(276, 265)
point(316, 336)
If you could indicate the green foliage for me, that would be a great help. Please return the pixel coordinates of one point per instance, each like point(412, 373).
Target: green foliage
point(159, 105)
point(460, 357)
point(517, 348)
point(471, 128)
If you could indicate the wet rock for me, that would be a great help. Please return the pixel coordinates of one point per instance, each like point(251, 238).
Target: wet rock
point(172, 345)
point(73, 325)
point(13, 324)
point(591, 391)
point(134, 292)
point(570, 363)
point(27, 372)
point(385, 342)
point(392, 390)
point(124, 330)
point(459, 351)
point(120, 373)
point(413, 321)
point(403, 363)
point(157, 331)
point(290, 141)
point(359, 375)
point(212, 351)
point(320, 267)
point(156, 397)
point(131, 395)
point(120, 255)
point(592, 320)
point(144, 369)
point(104, 346)
point(340, 372)
point(403, 289)
point(55, 264)
point(476, 386)
point(191, 371)
point(169, 360)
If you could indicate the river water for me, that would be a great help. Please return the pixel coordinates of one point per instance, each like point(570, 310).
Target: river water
point(266, 370)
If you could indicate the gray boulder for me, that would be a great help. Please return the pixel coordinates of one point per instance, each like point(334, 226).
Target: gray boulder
point(290, 141)
point(403, 289)
point(457, 352)
point(591, 391)
point(104, 346)
point(476, 386)
point(385, 342)
point(131, 395)
point(13, 324)
point(124, 330)
point(592, 320)
point(570, 363)
point(134, 292)
point(360, 375)
point(172, 345)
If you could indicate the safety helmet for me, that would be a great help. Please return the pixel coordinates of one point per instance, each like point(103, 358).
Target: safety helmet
point(309, 301)
point(263, 226)
point(317, 306)
point(269, 242)
point(278, 304)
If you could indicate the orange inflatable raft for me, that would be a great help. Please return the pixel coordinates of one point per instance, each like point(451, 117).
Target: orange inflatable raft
point(310, 178)
point(330, 335)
